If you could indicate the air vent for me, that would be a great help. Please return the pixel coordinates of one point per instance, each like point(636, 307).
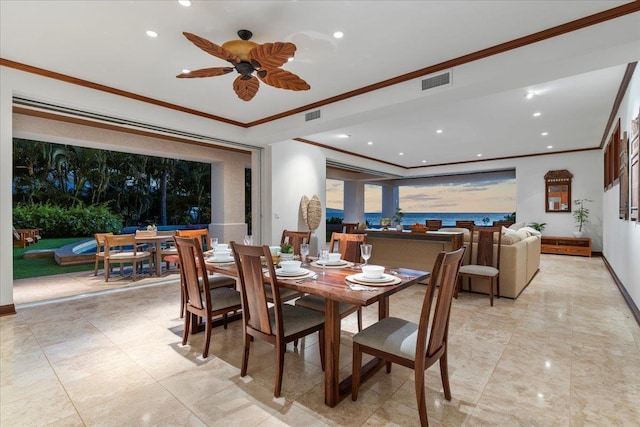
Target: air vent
point(312, 115)
point(437, 80)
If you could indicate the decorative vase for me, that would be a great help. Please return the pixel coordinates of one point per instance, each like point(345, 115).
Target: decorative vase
point(399, 227)
point(577, 234)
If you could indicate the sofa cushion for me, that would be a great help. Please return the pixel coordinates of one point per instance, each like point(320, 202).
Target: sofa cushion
point(511, 238)
point(506, 230)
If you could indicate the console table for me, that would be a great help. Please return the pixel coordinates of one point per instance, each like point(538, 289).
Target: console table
point(566, 245)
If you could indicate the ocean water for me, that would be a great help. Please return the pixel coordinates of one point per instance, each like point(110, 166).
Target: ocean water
point(448, 219)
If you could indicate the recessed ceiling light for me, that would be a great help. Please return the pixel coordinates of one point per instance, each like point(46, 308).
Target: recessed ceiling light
point(401, 153)
point(424, 161)
point(185, 3)
point(549, 147)
point(185, 71)
point(370, 143)
point(536, 114)
point(479, 155)
point(530, 95)
point(544, 133)
point(152, 33)
point(439, 131)
point(343, 135)
point(338, 34)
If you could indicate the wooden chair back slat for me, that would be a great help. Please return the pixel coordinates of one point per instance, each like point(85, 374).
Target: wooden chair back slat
point(348, 245)
point(191, 267)
point(295, 239)
point(202, 235)
point(433, 224)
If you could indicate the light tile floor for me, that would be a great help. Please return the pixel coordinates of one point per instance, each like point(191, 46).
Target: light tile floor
point(565, 353)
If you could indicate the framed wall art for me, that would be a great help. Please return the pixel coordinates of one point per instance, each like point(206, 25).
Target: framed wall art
point(634, 172)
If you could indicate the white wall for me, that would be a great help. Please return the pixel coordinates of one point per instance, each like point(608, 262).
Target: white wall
point(621, 246)
point(297, 169)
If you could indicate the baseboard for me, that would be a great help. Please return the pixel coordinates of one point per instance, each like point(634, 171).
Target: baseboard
point(6, 310)
point(632, 305)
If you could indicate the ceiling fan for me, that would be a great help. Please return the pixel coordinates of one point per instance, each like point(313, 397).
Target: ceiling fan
point(248, 58)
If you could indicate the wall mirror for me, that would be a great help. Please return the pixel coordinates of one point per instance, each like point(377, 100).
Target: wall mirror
point(558, 191)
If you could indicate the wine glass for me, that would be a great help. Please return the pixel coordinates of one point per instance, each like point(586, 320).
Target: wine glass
point(324, 259)
point(248, 240)
point(213, 242)
point(304, 252)
point(365, 252)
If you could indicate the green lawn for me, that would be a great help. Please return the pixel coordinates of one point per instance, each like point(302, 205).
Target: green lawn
point(37, 267)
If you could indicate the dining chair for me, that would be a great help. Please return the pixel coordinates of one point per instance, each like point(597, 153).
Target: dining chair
point(168, 250)
point(502, 223)
point(415, 346)
point(433, 224)
point(100, 243)
point(349, 246)
point(278, 324)
point(202, 234)
point(215, 280)
point(295, 239)
point(201, 301)
point(122, 249)
point(349, 227)
point(482, 266)
point(465, 224)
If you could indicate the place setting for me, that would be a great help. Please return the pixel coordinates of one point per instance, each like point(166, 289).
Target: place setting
point(221, 255)
point(292, 270)
point(333, 260)
point(372, 275)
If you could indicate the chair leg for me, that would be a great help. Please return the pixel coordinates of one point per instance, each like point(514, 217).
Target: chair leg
point(107, 270)
point(187, 325)
point(95, 271)
point(421, 398)
point(224, 320)
point(359, 319)
point(245, 357)
point(281, 348)
point(321, 345)
point(388, 365)
point(491, 291)
point(207, 338)
point(355, 375)
point(182, 298)
point(498, 287)
point(444, 375)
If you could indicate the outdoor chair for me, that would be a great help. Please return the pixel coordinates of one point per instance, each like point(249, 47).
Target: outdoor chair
point(122, 249)
point(415, 346)
point(279, 324)
point(100, 243)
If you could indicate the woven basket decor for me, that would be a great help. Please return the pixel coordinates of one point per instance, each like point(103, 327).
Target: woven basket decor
point(304, 206)
point(314, 213)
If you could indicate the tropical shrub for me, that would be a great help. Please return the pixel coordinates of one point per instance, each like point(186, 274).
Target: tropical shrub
point(76, 221)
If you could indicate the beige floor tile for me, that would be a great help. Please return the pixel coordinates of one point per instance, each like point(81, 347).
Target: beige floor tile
point(565, 353)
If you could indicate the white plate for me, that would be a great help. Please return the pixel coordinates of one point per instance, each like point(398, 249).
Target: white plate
point(220, 260)
point(385, 278)
point(301, 272)
point(333, 263)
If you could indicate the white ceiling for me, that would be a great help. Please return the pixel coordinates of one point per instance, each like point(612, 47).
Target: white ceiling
point(484, 111)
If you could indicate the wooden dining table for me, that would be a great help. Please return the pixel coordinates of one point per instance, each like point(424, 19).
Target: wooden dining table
point(331, 284)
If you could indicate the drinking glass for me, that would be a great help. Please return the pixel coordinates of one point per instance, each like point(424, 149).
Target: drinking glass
point(365, 252)
point(324, 258)
point(304, 252)
point(213, 243)
point(248, 240)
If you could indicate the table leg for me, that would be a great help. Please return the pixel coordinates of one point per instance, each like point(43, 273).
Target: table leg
point(332, 353)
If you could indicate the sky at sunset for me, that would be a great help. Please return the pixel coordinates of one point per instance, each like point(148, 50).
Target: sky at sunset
point(497, 195)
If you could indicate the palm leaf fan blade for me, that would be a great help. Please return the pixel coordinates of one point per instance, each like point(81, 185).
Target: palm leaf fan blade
point(212, 48)
point(282, 79)
point(272, 55)
point(205, 72)
point(246, 89)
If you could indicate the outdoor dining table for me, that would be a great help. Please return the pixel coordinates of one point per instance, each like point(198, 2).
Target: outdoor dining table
point(156, 241)
point(331, 284)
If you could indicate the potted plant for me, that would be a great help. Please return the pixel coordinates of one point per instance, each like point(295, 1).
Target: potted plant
point(286, 252)
point(580, 215)
point(397, 217)
point(538, 226)
point(385, 223)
